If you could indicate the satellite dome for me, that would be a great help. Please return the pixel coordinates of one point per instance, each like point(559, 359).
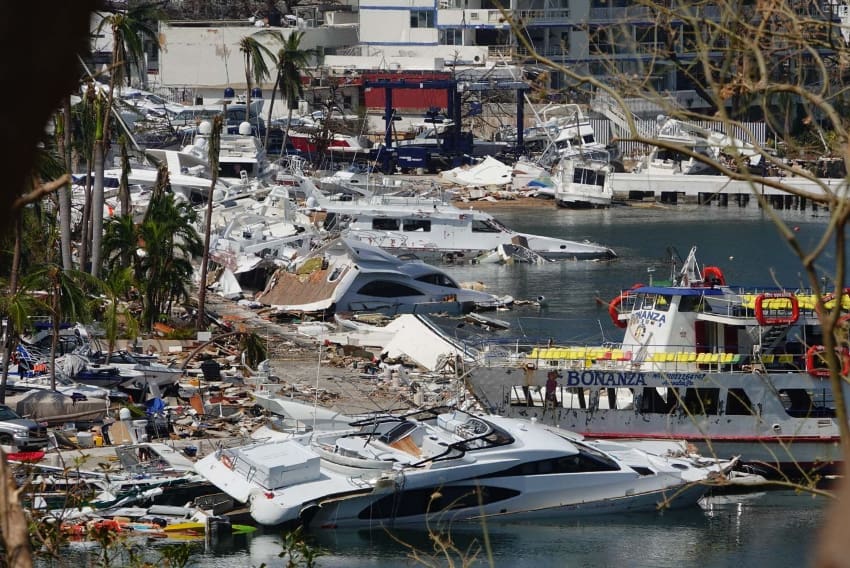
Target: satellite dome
point(205, 128)
point(245, 128)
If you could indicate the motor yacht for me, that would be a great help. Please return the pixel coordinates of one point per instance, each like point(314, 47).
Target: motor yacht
point(445, 465)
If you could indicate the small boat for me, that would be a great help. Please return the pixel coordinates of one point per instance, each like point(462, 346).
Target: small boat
point(446, 465)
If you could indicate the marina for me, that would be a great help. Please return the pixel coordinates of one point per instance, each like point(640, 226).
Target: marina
point(463, 297)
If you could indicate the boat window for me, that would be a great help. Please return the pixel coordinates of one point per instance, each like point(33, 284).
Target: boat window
point(587, 459)
point(701, 401)
point(738, 403)
point(438, 279)
point(658, 302)
point(616, 399)
point(693, 304)
point(484, 226)
point(386, 289)
point(385, 224)
point(423, 225)
point(800, 403)
point(658, 400)
point(420, 501)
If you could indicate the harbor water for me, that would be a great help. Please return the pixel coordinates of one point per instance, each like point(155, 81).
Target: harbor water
point(772, 528)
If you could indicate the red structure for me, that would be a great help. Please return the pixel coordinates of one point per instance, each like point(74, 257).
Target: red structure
point(406, 99)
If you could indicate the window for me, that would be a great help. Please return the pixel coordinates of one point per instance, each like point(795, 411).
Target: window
point(438, 279)
point(701, 401)
point(385, 289)
point(657, 400)
point(451, 37)
point(799, 403)
point(417, 225)
point(422, 18)
point(385, 224)
point(483, 226)
point(738, 403)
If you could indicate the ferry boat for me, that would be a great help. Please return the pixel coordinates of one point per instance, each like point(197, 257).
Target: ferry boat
point(736, 372)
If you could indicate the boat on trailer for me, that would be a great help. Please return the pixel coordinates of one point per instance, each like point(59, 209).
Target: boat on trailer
point(735, 371)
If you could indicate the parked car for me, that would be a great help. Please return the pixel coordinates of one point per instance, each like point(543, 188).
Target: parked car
point(22, 433)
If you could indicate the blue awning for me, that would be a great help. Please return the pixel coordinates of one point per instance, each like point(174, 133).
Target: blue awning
point(677, 291)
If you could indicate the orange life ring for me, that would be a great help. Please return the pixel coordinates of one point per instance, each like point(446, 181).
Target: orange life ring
point(777, 319)
point(225, 459)
point(822, 372)
point(614, 307)
point(716, 275)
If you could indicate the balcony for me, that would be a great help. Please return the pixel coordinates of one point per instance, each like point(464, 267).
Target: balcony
point(450, 17)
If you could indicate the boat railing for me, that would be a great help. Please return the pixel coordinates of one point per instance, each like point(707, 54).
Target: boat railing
point(621, 358)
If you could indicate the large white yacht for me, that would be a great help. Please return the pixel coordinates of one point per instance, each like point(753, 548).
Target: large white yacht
point(444, 465)
point(431, 227)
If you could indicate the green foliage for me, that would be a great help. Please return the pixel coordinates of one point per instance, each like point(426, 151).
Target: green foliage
point(297, 552)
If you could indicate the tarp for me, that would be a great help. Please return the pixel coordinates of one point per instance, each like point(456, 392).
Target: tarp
point(489, 172)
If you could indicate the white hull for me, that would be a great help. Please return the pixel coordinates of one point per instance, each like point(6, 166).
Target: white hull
point(693, 185)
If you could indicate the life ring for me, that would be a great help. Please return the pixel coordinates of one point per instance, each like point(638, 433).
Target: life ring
point(225, 459)
point(614, 307)
point(713, 275)
point(828, 297)
point(822, 372)
point(777, 319)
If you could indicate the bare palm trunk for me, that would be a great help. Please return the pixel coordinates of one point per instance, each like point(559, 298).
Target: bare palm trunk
point(13, 521)
point(85, 229)
point(65, 192)
point(214, 147)
point(248, 94)
point(286, 131)
point(271, 106)
point(97, 208)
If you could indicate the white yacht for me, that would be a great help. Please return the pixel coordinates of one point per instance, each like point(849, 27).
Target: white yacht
point(445, 465)
point(347, 275)
point(431, 227)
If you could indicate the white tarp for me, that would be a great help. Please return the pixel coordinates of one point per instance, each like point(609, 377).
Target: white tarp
point(489, 172)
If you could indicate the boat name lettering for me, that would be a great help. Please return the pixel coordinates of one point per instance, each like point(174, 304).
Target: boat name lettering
point(650, 315)
point(605, 378)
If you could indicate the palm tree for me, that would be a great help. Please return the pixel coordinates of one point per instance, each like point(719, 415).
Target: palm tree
point(120, 243)
point(99, 162)
point(169, 240)
point(63, 143)
point(256, 67)
point(214, 149)
point(116, 286)
point(129, 29)
point(290, 62)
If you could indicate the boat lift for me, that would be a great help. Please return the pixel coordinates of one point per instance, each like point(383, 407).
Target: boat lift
point(455, 146)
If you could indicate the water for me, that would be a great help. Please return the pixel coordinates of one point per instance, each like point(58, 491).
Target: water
point(767, 529)
point(777, 528)
point(744, 243)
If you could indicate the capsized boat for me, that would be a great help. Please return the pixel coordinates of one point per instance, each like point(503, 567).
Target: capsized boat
point(444, 464)
point(735, 371)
